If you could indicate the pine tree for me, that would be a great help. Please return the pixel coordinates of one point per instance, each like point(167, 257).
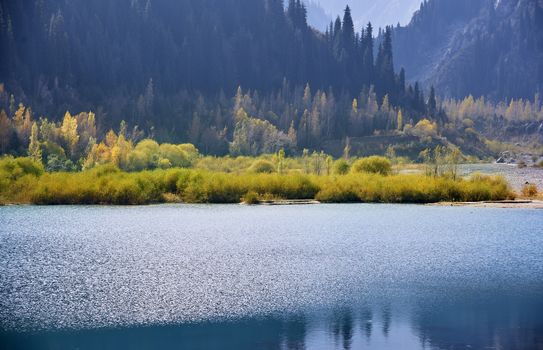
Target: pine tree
point(401, 82)
point(336, 45)
point(385, 66)
point(347, 31)
point(432, 103)
point(367, 58)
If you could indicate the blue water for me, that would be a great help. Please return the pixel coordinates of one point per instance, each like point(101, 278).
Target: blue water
point(302, 277)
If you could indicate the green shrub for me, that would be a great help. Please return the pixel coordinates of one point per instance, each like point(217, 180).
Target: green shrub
point(14, 168)
point(164, 163)
point(262, 166)
point(373, 165)
point(57, 163)
point(251, 198)
point(174, 155)
point(341, 167)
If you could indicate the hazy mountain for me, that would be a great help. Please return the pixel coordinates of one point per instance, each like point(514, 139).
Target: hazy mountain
point(317, 17)
point(479, 47)
point(379, 12)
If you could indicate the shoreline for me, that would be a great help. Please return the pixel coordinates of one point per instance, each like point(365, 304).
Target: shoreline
point(507, 204)
point(513, 204)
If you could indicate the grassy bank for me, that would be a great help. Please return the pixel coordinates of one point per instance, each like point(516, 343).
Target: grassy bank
point(24, 181)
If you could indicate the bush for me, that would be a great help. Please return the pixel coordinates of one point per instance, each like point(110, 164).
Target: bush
point(529, 190)
point(341, 167)
point(373, 165)
point(262, 166)
point(190, 150)
point(15, 168)
point(251, 198)
point(164, 163)
point(174, 155)
point(56, 163)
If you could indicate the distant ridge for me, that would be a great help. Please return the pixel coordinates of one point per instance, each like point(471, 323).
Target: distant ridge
point(478, 47)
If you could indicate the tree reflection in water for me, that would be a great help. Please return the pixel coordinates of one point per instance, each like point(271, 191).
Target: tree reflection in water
point(501, 324)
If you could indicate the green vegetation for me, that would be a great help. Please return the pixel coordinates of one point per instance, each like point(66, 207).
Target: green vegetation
point(23, 180)
point(341, 167)
point(375, 188)
point(372, 165)
point(262, 166)
point(67, 164)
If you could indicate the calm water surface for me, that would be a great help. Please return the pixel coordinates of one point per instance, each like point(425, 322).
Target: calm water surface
point(303, 277)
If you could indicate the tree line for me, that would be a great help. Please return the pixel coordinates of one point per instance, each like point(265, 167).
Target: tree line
point(143, 61)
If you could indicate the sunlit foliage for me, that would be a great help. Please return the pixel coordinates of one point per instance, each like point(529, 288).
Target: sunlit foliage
point(23, 180)
point(372, 165)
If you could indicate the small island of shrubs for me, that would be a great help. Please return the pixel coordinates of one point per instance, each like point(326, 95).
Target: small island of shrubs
point(153, 173)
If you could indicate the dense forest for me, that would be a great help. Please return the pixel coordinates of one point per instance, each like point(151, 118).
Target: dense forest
point(160, 65)
point(239, 77)
point(82, 54)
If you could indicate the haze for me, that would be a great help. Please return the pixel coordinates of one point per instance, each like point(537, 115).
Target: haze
point(379, 12)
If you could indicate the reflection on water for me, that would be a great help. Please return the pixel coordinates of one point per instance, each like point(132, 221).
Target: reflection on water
point(499, 325)
point(231, 277)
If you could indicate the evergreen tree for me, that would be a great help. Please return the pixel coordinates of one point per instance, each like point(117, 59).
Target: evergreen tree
point(367, 55)
point(337, 45)
point(347, 31)
point(432, 103)
point(385, 66)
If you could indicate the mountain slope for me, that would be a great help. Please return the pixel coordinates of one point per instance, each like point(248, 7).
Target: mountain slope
point(380, 13)
point(317, 17)
point(478, 47)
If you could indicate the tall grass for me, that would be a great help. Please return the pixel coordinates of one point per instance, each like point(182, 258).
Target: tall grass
point(21, 183)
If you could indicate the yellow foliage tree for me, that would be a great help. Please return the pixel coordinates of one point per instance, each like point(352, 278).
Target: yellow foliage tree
point(34, 147)
point(68, 131)
point(425, 128)
point(400, 120)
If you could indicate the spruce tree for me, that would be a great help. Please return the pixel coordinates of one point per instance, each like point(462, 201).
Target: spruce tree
point(367, 60)
point(348, 31)
point(432, 103)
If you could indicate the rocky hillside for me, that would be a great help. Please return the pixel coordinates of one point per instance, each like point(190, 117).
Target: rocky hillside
point(480, 47)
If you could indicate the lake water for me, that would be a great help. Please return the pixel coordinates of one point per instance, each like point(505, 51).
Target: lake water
point(301, 277)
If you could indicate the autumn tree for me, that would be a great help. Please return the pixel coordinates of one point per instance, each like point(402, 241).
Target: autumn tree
point(69, 134)
point(34, 147)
